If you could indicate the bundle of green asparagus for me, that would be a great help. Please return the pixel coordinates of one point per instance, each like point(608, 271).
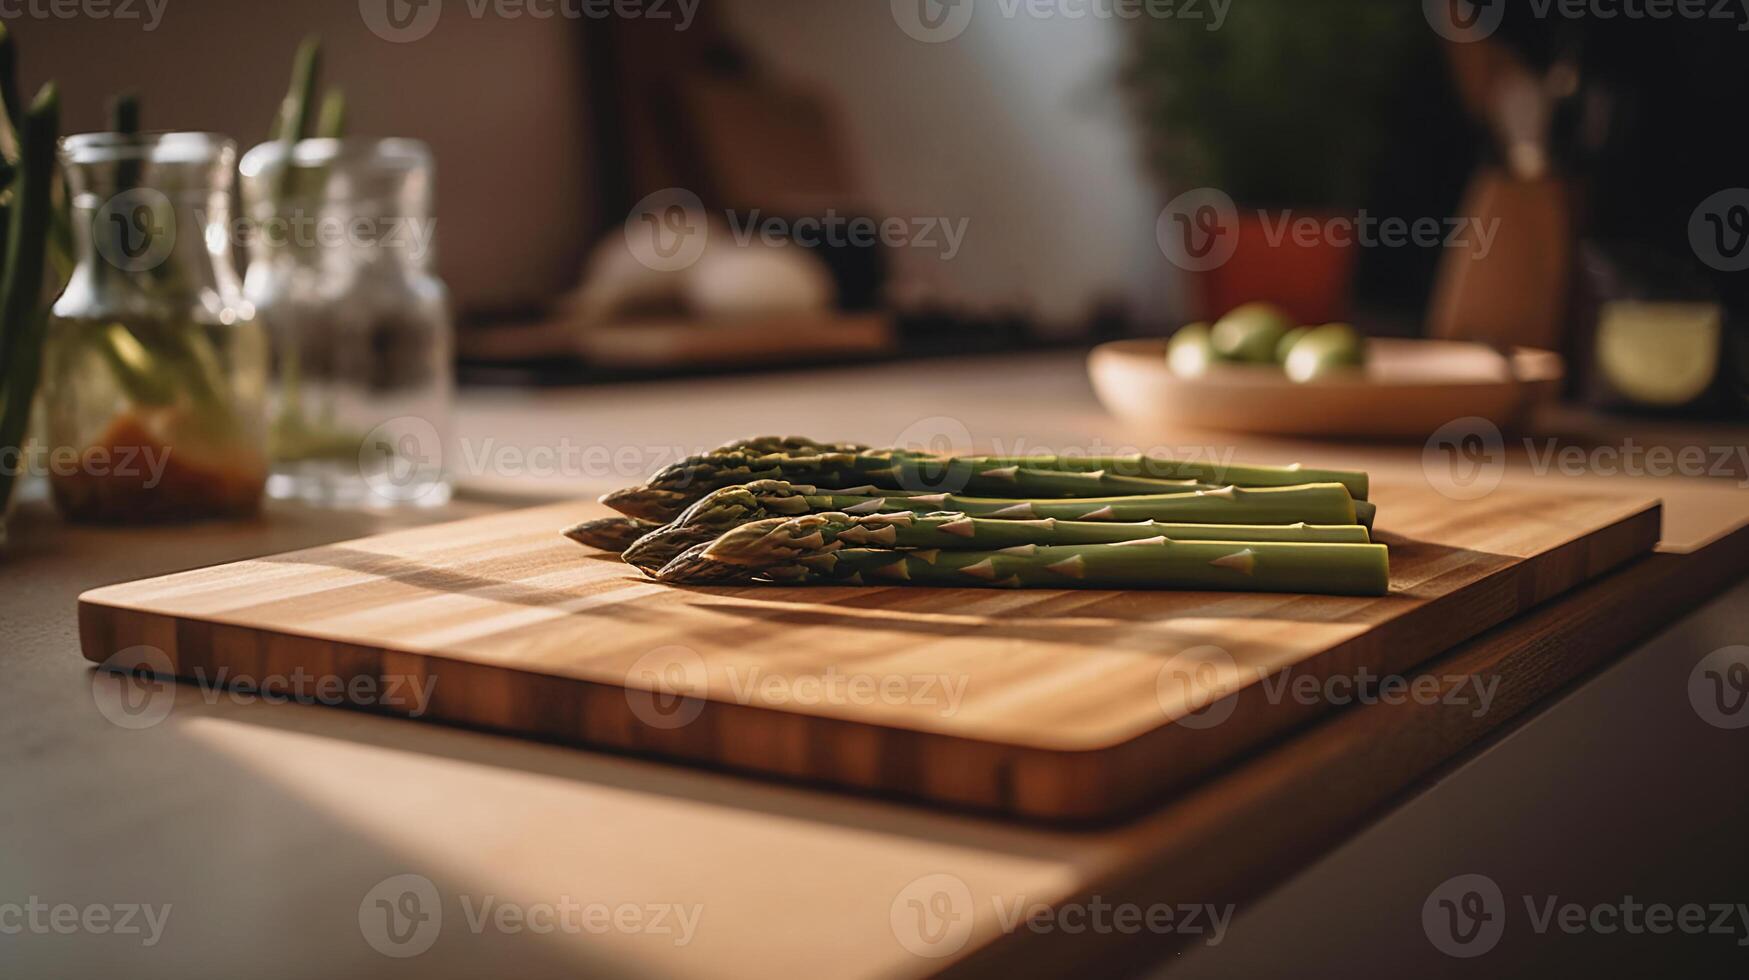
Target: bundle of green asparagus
point(792, 510)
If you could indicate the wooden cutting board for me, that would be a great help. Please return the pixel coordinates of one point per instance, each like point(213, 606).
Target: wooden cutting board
point(1055, 705)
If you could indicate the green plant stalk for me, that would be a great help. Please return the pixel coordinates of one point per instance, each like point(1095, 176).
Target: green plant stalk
point(13, 105)
point(331, 124)
point(732, 507)
point(805, 549)
point(292, 123)
point(22, 314)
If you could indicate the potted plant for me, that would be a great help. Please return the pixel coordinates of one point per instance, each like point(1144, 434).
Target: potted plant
point(32, 227)
point(1278, 111)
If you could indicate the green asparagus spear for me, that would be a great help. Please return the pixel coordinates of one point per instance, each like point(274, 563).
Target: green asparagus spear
point(1128, 465)
point(614, 534)
point(1365, 512)
point(731, 507)
point(22, 314)
point(1209, 473)
point(779, 550)
point(671, 490)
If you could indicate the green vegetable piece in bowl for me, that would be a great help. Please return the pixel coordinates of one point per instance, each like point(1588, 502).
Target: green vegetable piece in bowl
point(1251, 332)
point(1330, 350)
point(1287, 342)
point(1190, 351)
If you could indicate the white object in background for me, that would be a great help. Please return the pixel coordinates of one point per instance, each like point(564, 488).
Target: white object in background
point(758, 280)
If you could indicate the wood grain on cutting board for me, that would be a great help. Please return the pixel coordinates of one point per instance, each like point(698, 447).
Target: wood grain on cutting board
point(1046, 704)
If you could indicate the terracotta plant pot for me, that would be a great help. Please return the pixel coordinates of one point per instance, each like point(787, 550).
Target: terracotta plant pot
point(1310, 276)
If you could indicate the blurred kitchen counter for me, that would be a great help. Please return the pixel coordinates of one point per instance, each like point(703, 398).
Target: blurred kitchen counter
point(265, 827)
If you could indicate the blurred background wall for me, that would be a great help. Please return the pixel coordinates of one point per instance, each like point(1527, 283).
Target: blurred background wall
point(1015, 127)
point(497, 99)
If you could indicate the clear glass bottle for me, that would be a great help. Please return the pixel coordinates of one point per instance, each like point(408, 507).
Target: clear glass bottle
point(341, 272)
point(154, 383)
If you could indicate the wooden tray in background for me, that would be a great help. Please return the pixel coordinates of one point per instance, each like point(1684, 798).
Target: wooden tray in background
point(1070, 701)
point(1408, 390)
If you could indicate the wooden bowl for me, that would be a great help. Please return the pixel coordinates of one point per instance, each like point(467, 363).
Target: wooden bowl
point(1408, 389)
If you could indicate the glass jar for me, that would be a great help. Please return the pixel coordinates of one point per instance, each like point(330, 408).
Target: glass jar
point(341, 272)
point(154, 369)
